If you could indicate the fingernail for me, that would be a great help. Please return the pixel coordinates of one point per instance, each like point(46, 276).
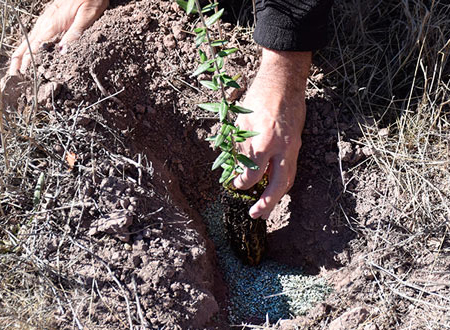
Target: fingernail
point(236, 183)
point(253, 213)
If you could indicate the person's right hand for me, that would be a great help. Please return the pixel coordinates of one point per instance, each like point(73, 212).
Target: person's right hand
point(64, 18)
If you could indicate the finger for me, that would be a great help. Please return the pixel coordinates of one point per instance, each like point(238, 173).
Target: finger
point(86, 15)
point(279, 180)
point(16, 59)
point(251, 177)
point(26, 59)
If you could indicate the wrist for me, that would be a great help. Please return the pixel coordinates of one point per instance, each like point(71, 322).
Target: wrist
point(287, 66)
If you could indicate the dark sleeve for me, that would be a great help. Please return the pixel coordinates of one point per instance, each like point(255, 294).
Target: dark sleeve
point(295, 25)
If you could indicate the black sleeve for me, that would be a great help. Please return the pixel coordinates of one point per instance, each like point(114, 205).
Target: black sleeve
point(295, 25)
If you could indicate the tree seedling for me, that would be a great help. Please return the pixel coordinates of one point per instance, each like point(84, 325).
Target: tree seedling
point(247, 236)
point(230, 160)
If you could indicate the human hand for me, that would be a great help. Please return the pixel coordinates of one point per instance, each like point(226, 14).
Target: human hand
point(277, 97)
point(64, 18)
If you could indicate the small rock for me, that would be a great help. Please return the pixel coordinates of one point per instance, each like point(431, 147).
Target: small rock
point(160, 54)
point(359, 154)
point(178, 33)
point(125, 203)
point(169, 42)
point(58, 149)
point(345, 151)
point(384, 132)
point(98, 37)
point(350, 319)
point(116, 223)
point(83, 121)
point(45, 92)
point(368, 151)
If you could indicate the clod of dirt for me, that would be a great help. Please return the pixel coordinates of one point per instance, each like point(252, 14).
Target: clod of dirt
point(116, 223)
point(47, 91)
point(345, 151)
point(350, 320)
point(247, 236)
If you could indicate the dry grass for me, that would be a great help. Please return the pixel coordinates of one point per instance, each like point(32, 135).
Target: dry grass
point(390, 66)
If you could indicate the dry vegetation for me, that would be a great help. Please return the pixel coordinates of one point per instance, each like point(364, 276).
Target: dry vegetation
point(389, 66)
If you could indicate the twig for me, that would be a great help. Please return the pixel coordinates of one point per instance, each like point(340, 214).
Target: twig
point(139, 170)
point(104, 99)
point(144, 323)
point(2, 129)
point(410, 285)
point(6, 3)
point(103, 89)
point(74, 314)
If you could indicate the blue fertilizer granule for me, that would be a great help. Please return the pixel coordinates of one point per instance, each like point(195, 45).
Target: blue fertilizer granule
point(270, 288)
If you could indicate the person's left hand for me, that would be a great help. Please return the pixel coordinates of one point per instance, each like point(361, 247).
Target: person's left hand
point(67, 18)
point(277, 97)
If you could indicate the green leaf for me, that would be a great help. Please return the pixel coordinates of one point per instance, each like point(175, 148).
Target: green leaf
point(232, 83)
point(226, 146)
point(239, 139)
point(231, 177)
point(217, 43)
point(209, 84)
point(212, 19)
point(227, 80)
point(213, 107)
point(239, 169)
point(211, 138)
point(223, 157)
point(247, 162)
point(223, 134)
point(226, 52)
point(200, 38)
point(209, 7)
point(246, 134)
point(227, 171)
point(190, 6)
point(202, 68)
point(199, 30)
point(202, 55)
point(238, 109)
point(236, 77)
point(219, 61)
point(223, 111)
point(184, 4)
point(230, 161)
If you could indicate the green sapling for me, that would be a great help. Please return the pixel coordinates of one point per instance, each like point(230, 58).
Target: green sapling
point(230, 160)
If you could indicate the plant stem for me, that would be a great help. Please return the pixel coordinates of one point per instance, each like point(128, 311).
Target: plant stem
point(222, 87)
point(213, 52)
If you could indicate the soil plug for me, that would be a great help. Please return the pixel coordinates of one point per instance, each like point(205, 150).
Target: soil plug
point(247, 236)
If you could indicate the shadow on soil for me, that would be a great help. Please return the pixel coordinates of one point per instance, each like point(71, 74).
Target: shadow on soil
point(316, 232)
